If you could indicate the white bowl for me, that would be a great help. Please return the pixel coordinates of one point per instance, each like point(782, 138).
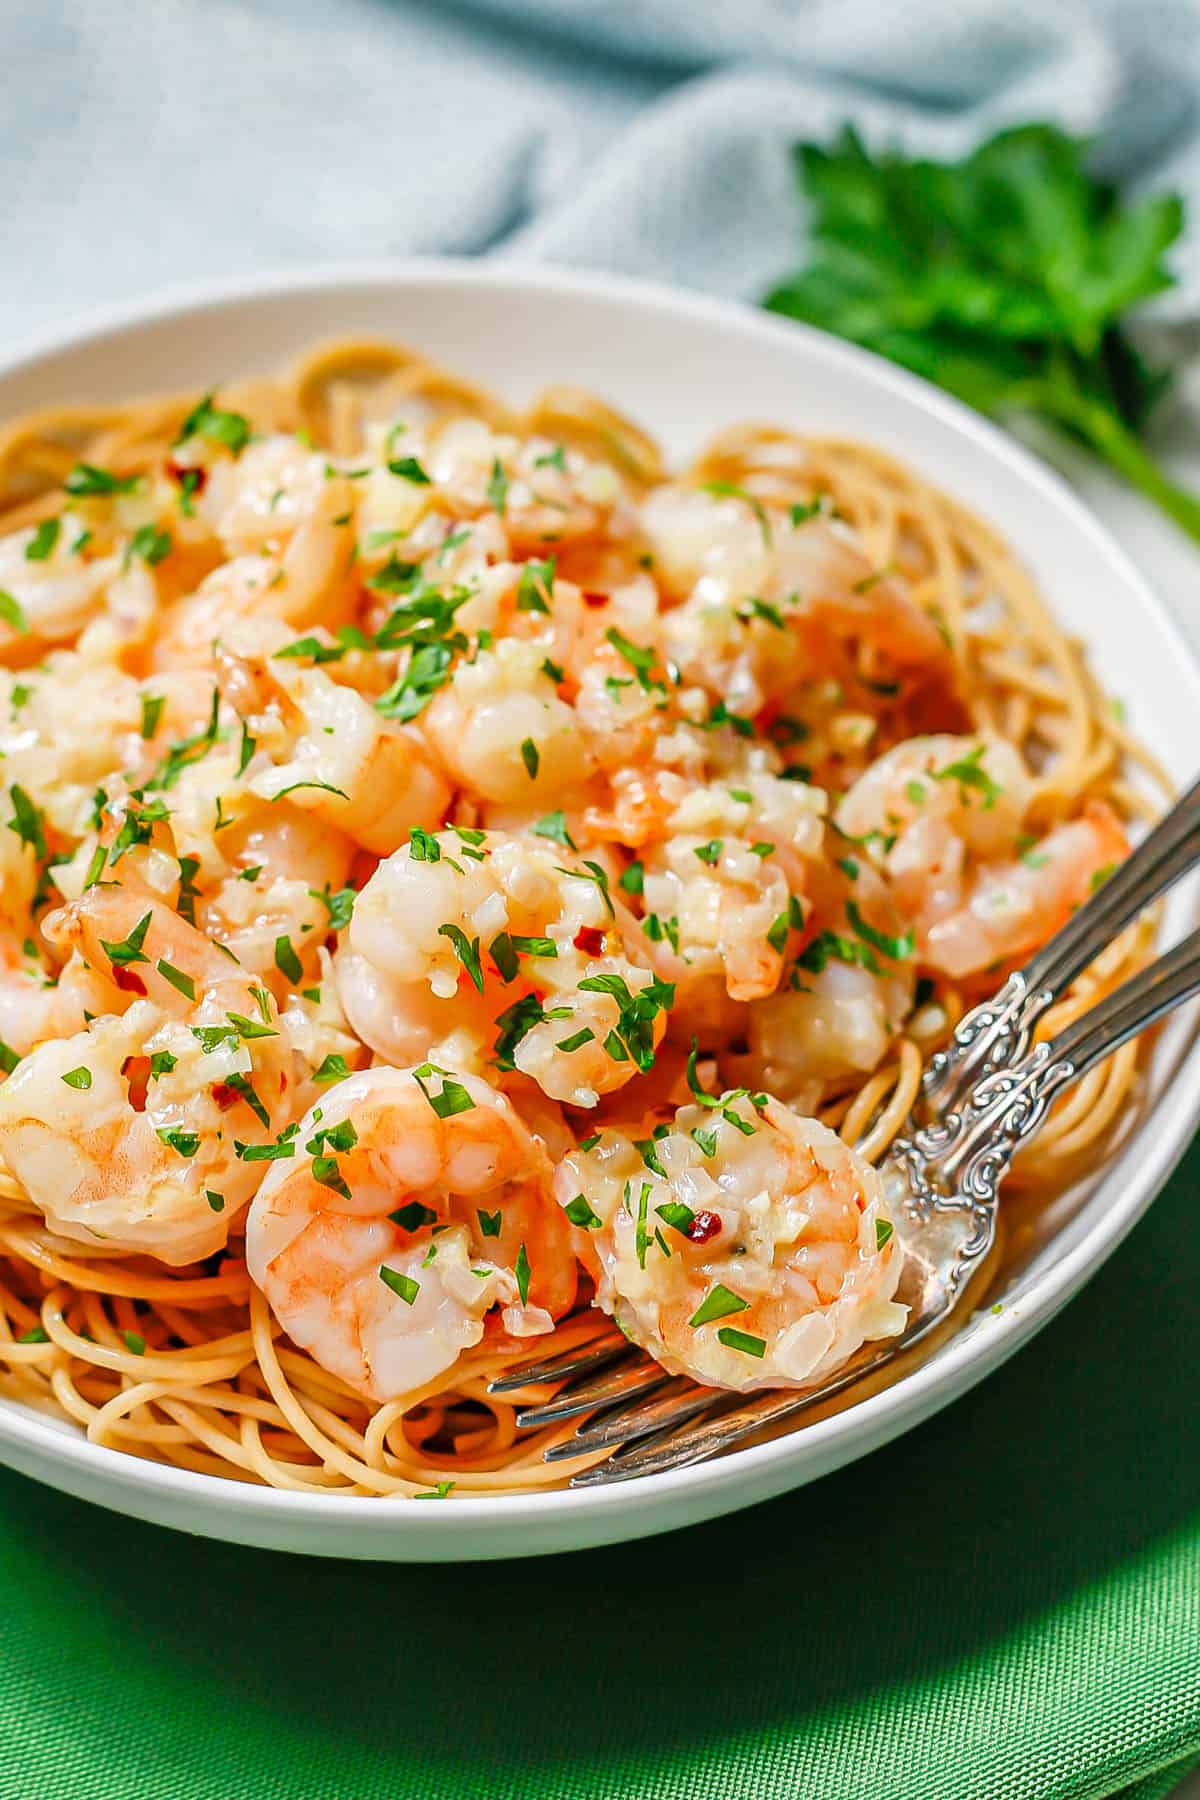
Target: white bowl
point(684, 366)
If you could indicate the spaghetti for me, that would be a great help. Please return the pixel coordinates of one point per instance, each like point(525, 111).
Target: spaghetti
point(188, 1366)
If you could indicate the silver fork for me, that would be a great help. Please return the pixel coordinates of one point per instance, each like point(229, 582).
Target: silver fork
point(983, 1097)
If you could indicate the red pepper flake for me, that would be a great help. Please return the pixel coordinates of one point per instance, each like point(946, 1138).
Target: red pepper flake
point(595, 599)
point(129, 980)
point(224, 1095)
point(136, 1070)
point(197, 476)
point(590, 939)
point(704, 1227)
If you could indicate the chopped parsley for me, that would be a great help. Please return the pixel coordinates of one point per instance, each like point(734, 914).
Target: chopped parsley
point(899, 949)
point(497, 487)
point(742, 1340)
point(729, 490)
point(553, 825)
point(969, 773)
point(11, 612)
point(408, 469)
point(632, 1038)
point(453, 1097)
point(403, 1285)
point(286, 960)
point(580, 1213)
point(182, 983)
point(522, 1271)
point(718, 1303)
point(86, 479)
point(467, 951)
point(41, 544)
point(205, 420)
point(129, 950)
point(536, 586)
point(78, 1078)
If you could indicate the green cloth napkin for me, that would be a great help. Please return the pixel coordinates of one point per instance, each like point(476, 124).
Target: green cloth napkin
point(1004, 1605)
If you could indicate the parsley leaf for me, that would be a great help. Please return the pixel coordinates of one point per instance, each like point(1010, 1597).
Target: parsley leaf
point(1005, 277)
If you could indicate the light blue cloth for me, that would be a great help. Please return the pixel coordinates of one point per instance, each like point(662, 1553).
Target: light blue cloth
point(148, 141)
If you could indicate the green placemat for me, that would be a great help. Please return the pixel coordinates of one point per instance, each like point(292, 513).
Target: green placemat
point(1004, 1604)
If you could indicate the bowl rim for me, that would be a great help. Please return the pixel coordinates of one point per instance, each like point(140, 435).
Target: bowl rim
point(964, 1358)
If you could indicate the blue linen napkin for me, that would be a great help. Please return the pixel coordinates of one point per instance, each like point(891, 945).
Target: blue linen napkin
point(149, 141)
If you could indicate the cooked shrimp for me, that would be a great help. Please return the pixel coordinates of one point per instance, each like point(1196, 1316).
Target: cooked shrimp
point(508, 937)
point(285, 868)
point(56, 597)
point(744, 1246)
point(324, 746)
point(835, 1021)
point(942, 817)
point(502, 731)
point(723, 889)
point(417, 1204)
point(160, 1175)
point(767, 603)
point(306, 582)
point(1010, 908)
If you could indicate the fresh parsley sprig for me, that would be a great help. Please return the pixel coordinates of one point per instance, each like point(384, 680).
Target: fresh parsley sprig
point(1004, 277)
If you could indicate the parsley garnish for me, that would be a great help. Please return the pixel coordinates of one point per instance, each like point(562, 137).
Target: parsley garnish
point(553, 825)
point(339, 905)
point(594, 873)
point(530, 757)
point(1004, 276)
point(129, 950)
point(27, 821)
point(41, 544)
point(467, 951)
point(219, 427)
point(632, 1038)
point(151, 543)
point(729, 490)
point(185, 1143)
point(969, 773)
point(898, 948)
point(581, 1214)
point(86, 479)
point(408, 469)
point(497, 487)
point(742, 1340)
point(178, 980)
point(12, 613)
point(78, 1078)
point(718, 1303)
point(453, 1097)
point(286, 960)
point(535, 587)
point(404, 1285)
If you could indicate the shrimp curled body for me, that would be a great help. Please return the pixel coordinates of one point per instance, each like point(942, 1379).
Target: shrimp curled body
point(387, 1245)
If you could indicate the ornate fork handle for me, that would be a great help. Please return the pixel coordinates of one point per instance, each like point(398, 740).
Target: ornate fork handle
point(943, 1173)
point(997, 1032)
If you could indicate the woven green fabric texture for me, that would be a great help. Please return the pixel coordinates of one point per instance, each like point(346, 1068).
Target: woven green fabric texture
point(1004, 1605)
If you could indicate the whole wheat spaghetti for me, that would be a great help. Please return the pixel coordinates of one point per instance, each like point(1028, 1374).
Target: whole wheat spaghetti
point(189, 1363)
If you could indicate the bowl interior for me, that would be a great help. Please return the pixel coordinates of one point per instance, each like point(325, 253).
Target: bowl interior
point(683, 367)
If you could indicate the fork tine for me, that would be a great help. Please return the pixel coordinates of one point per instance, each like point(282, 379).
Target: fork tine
point(591, 1357)
point(718, 1429)
point(627, 1380)
point(625, 1423)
